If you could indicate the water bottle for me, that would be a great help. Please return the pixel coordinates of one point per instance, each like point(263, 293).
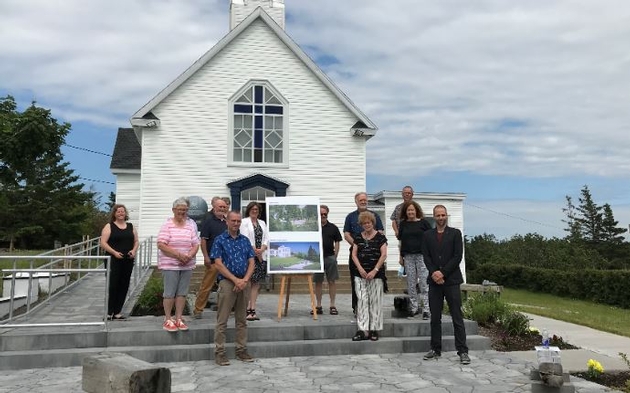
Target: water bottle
point(545, 339)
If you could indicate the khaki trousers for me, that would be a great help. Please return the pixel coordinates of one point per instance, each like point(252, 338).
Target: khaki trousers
point(228, 299)
point(209, 278)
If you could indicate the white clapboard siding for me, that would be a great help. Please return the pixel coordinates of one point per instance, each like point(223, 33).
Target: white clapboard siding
point(187, 154)
point(128, 194)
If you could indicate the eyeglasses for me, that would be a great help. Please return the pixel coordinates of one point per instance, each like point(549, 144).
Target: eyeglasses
point(323, 214)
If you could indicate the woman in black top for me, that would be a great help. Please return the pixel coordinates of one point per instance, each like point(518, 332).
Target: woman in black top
point(119, 239)
point(410, 233)
point(369, 252)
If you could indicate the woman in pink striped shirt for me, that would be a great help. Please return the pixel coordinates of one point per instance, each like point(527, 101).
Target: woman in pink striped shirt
point(178, 243)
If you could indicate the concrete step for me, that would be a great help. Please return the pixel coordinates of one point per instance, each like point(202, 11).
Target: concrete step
point(145, 339)
point(149, 332)
point(15, 360)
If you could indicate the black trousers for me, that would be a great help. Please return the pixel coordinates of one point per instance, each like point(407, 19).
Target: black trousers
point(353, 273)
point(452, 294)
point(119, 276)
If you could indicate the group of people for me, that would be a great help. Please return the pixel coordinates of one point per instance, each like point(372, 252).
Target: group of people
point(431, 257)
point(234, 250)
point(234, 256)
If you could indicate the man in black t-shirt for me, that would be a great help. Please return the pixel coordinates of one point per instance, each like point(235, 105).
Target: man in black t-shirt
point(331, 238)
point(212, 226)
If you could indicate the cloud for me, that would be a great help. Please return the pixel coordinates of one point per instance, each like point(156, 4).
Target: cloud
point(526, 90)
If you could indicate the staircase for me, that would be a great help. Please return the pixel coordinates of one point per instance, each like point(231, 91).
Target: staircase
point(296, 334)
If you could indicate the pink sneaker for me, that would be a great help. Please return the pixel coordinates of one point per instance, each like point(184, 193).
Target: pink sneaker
point(181, 325)
point(170, 326)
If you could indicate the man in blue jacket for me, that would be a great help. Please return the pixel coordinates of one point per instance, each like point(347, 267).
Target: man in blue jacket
point(442, 250)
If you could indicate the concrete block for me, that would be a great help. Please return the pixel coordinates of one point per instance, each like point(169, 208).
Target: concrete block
point(534, 375)
point(539, 387)
point(120, 373)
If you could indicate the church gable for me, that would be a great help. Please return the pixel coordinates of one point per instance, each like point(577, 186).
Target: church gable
point(262, 46)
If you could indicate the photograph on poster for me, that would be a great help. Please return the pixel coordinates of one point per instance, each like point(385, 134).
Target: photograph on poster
point(294, 257)
point(293, 218)
point(294, 235)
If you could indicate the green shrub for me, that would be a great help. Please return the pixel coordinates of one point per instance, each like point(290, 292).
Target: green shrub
point(514, 323)
point(485, 309)
point(598, 286)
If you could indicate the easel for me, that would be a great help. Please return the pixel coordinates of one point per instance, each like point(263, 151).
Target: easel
point(285, 282)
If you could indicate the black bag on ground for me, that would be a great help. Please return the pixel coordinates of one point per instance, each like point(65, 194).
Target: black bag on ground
point(402, 304)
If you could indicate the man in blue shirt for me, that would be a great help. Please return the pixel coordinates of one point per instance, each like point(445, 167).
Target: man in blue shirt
point(352, 228)
point(234, 259)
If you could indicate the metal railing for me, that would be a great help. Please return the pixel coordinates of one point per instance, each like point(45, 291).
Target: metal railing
point(61, 262)
point(65, 271)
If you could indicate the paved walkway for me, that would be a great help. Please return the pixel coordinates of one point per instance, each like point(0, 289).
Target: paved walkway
point(601, 346)
point(490, 371)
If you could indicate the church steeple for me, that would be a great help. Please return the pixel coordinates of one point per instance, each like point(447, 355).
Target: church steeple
point(240, 9)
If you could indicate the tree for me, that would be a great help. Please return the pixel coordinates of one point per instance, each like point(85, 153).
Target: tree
point(590, 217)
point(111, 201)
point(611, 233)
point(39, 194)
point(573, 226)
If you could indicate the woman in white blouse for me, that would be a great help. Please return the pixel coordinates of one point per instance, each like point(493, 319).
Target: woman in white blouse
point(258, 235)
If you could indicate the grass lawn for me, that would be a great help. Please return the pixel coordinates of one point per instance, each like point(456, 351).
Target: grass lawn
point(597, 316)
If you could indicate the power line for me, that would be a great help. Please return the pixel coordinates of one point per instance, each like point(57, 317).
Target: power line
point(88, 150)
point(97, 181)
point(513, 217)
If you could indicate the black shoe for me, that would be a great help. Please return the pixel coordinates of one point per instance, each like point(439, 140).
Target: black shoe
point(426, 316)
point(464, 358)
point(359, 336)
point(432, 355)
point(374, 335)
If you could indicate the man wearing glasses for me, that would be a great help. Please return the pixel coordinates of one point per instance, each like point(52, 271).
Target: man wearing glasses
point(212, 227)
point(331, 238)
point(351, 229)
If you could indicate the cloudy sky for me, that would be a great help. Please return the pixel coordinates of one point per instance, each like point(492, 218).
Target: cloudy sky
point(514, 103)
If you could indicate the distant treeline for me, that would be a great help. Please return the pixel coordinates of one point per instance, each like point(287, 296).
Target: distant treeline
point(592, 262)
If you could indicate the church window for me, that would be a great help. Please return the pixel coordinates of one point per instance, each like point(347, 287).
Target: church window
point(259, 125)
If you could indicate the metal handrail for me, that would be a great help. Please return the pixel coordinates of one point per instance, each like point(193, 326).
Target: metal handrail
point(52, 295)
point(69, 254)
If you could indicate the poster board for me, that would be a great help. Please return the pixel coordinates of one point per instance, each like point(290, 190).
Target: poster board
point(295, 239)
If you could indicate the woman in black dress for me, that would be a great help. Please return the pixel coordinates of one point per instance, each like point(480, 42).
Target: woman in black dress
point(119, 239)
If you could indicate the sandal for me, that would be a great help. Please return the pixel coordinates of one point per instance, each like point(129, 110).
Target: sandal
point(250, 315)
point(319, 311)
point(333, 311)
point(374, 335)
point(119, 318)
point(254, 316)
point(359, 336)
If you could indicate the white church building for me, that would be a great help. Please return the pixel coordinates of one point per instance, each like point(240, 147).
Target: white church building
point(253, 117)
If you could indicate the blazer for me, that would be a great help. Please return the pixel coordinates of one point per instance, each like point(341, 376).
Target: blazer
point(247, 229)
point(445, 256)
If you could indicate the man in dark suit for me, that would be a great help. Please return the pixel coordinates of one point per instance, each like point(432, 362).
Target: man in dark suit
point(442, 250)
